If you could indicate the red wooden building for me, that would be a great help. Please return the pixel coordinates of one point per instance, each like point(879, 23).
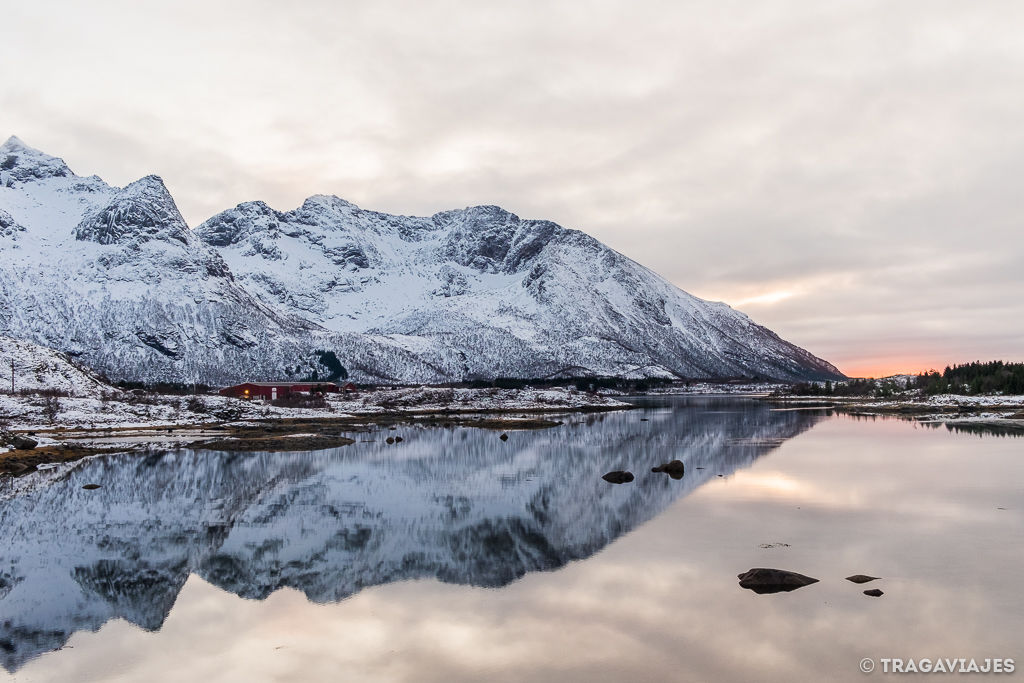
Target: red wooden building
point(275, 390)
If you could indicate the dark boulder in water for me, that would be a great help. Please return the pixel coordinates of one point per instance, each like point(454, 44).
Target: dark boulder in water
point(874, 592)
point(91, 487)
point(673, 469)
point(763, 580)
point(618, 477)
point(861, 578)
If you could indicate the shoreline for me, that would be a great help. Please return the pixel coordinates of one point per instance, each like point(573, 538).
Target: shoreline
point(1005, 413)
point(250, 426)
point(134, 424)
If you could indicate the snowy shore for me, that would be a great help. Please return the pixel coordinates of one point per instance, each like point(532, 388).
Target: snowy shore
point(126, 409)
point(999, 411)
point(69, 427)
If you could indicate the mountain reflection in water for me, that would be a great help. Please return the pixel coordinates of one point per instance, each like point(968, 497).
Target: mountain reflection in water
point(455, 504)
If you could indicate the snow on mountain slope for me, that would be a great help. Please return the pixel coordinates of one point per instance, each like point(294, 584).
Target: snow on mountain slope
point(446, 504)
point(480, 292)
point(115, 277)
point(37, 367)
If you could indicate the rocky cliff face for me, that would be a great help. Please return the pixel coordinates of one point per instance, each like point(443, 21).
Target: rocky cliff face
point(116, 277)
point(456, 505)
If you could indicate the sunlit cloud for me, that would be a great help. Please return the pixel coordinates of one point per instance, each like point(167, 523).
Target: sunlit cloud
point(768, 298)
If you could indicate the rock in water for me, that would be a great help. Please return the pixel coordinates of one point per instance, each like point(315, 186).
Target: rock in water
point(861, 578)
point(91, 487)
point(762, 580)
point(503, 437)
point(673, 469)
point(389, 440)
point(874, 592)
point(618, 477)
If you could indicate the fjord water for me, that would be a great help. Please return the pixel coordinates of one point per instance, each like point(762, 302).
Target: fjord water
point(456, 556)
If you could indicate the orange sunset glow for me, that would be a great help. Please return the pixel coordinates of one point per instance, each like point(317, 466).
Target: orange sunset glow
point(886, 368)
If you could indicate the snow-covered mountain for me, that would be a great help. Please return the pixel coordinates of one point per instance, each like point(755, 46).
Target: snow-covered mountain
point(116, 276)
point(457, 505)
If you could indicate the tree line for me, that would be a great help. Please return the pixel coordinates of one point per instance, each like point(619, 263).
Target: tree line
point(993, 377)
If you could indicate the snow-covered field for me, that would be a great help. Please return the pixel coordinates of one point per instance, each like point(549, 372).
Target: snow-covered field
point(113, 419)
point(156, 410)
point(431, 399)
point(1001, 411)
point(944, 400)
point(128, 410)
point(719, 388)
point(943, 403)
point(953, 409)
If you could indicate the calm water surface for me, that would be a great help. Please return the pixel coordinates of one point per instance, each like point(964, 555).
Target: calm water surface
point(456, 556)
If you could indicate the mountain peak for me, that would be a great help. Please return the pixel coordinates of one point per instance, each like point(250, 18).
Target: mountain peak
point(24, 163)
point(475, 216)
point(142, 211)
point(327, 201)
point(149, 184)
point(235, 225)
point(13, 144)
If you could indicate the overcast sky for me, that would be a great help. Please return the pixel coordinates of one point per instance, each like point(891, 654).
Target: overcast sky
point(848, 173)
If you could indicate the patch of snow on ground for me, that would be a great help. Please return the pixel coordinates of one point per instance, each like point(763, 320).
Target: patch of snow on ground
point(128, 410)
